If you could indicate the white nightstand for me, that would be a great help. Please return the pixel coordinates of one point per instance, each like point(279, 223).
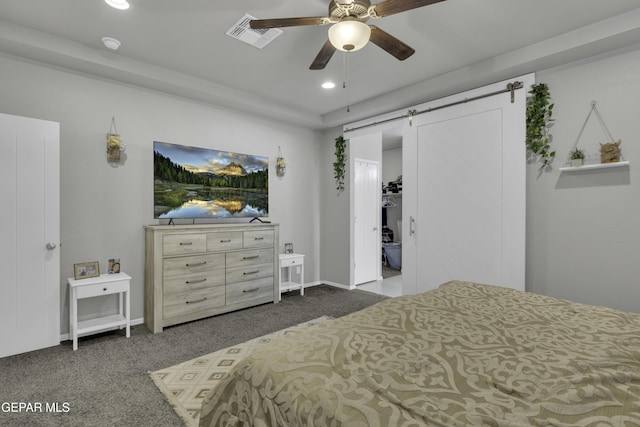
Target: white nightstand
point(290, 261)
point(105, 284)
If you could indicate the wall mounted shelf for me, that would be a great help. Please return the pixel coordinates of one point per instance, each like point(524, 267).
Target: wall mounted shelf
point(594, 166)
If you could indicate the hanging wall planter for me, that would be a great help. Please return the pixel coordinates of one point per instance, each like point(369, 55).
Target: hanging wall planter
point(339, 165)
point(539, 112)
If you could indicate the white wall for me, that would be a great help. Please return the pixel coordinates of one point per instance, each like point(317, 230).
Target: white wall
point(391, 165)
point(583, 228)
point(104, 207)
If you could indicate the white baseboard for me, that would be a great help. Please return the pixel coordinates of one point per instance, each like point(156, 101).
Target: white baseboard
point(134, 322)
point(326, 282)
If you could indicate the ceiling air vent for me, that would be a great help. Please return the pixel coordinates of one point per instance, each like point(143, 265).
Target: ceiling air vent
point(256, 38)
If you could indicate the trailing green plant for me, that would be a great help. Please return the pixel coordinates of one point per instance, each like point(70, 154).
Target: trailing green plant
point(340, 164)
point(577, 154)
point(539, 119)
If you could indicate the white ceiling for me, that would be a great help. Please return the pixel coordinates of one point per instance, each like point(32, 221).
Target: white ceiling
point(181, 47)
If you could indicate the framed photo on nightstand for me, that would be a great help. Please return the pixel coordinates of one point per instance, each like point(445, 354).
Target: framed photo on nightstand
point(114, 266)
point(84, 270)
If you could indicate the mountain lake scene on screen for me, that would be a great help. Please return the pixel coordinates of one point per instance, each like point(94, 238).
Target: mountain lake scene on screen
point(192, 182)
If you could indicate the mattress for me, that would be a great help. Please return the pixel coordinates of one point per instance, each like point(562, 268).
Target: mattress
point(463, 354)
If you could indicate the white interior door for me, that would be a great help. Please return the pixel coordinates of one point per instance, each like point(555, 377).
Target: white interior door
point(30, 229)
point(367, 241)
point(468, 177)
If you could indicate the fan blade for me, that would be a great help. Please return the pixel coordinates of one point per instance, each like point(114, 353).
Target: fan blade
point(323, 57)
point(391, 7)
point(386, 41)
point(258, 24)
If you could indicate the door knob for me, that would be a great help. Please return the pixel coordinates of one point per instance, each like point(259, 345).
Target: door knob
point(50, 246)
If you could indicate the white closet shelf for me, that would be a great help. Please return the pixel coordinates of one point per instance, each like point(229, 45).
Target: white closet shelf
point(594, 166)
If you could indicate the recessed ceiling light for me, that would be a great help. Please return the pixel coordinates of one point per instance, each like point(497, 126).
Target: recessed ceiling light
point(328, 85)
point(111, 43)
point(118, 4)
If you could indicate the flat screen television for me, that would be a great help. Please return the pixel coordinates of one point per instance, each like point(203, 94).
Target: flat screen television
point(193, 182)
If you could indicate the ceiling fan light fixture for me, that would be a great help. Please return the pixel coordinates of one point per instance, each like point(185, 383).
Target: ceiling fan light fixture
point(118, 4)
point(349, 35)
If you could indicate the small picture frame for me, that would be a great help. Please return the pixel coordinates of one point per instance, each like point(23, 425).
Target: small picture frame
point(113, 266)
point(85, 270)
point(288, 248)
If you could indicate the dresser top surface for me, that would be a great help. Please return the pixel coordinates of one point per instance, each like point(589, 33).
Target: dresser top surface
point(222, 226)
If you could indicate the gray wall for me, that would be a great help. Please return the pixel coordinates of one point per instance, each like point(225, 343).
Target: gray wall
point(334, 241)
point(104, 207)
point(583, 228)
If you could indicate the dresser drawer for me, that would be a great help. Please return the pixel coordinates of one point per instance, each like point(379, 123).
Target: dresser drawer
point(185, 265)
point(97, 289)
point(258, 239)
point(193, 301)
point(249, 272)
point(189, 282)
point(250, 290)
point(257, 256)
point(183, 244)
point(224, 241)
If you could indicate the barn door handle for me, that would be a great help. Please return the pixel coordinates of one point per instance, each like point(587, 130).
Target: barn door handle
point(412, 224)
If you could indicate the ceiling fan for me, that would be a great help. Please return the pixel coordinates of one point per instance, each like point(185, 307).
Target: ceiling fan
point(350, 31)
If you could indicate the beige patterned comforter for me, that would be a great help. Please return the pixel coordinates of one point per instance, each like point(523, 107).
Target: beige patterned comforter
point(462, 355)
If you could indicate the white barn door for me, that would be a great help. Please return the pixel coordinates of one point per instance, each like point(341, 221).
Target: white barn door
point(467, 219)
point(30, 230)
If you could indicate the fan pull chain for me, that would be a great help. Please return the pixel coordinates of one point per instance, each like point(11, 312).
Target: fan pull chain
point(345, 63)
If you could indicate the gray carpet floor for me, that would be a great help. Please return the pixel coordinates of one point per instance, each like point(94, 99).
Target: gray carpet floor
point(106, 382)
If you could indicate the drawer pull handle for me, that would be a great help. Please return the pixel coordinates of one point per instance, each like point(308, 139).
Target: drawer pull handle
point(259, 238)
point(186, 243)
point(196, 265)
point(225, 241)
point(251, 257)
point(251, 290)
point(251, 272)
point(104, 289)
point(196, 301)
point(190, 282)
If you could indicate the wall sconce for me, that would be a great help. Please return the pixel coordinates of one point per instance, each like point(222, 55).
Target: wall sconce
point(281, 167)
point(114, 143)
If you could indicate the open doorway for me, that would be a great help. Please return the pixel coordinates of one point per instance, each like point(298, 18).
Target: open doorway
point(390, 244)
point(391, 171)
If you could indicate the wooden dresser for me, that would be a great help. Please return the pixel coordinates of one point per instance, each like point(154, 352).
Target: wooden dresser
point(196, 271)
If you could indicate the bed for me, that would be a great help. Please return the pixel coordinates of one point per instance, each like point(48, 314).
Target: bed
point(465, 354)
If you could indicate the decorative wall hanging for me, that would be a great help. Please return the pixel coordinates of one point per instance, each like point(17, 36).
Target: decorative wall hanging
point(610, 152)
point(114, 143)
point(281, 167)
